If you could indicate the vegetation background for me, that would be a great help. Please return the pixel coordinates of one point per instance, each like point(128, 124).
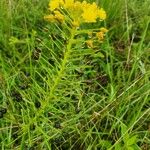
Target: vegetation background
point(98, 102)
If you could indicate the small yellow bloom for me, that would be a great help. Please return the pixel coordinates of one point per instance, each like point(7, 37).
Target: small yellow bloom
point(69, 3)
point(58, 16)
point(101, 14)
point(100, 35)
point(90, 43)
point(84, 4)
point(75, 13)
point(77, 8)
point(104, 30)
point(89, 14)
point(53, 4)
point(78, 5)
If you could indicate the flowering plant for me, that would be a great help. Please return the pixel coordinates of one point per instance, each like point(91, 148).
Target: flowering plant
point(77, 13)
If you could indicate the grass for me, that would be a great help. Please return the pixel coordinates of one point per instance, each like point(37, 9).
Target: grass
point(74, 99)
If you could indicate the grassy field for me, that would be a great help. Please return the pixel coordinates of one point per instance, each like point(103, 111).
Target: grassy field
point(57, 95)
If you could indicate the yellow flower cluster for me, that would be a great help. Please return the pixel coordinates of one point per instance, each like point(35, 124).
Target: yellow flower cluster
point(91, 12)
point(56, 16)
point(98, 36)
point(78, 11)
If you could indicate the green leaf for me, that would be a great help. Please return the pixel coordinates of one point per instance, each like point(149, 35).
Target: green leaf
point(89, 147)
point(99, 54)
point(105, 144)
point(132, 140)
point(124, 133)
point(130, 148)
point(136, 147)
point(118, 146)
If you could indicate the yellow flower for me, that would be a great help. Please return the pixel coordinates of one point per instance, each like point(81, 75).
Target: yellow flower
point(89, 14)
point(103, 30)
point(58, 16)
point(68, 3)
point(78, 11)
point(53, 4)
point(75, 12)
point(78, 5)
point(84, 4)
point(100, 35)
point(101, 14)
point(77, 8)
point(90, 43)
